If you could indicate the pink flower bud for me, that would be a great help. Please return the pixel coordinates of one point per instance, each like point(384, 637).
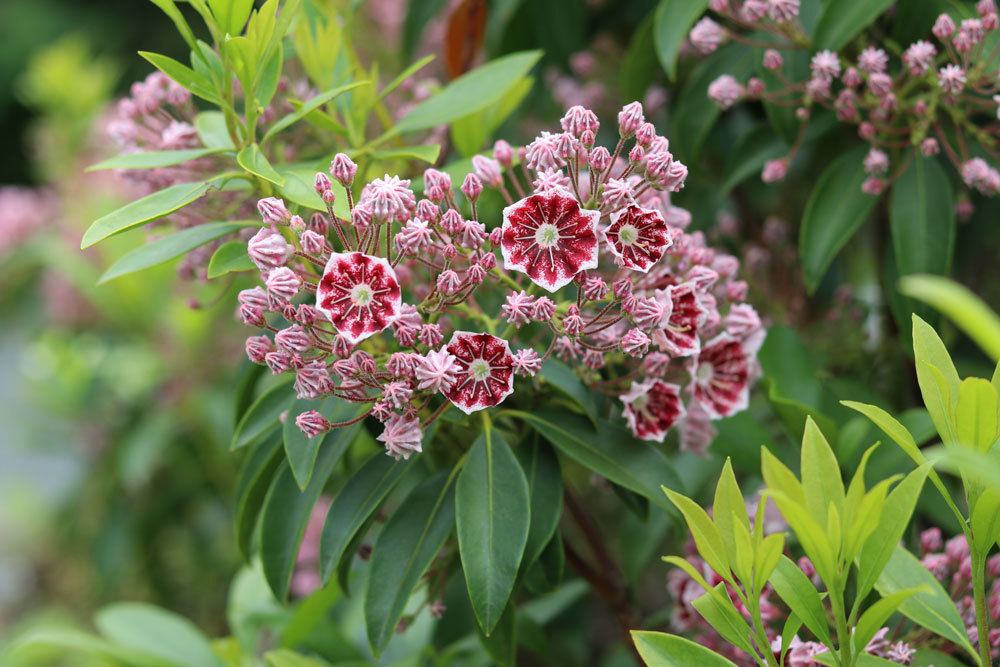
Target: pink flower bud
point(293, 339)
point(629, 119)
point(527, 362)
point(866, 131)
point(257, 348)
point(472, 187)
point(343, 169)
point(572, 322)
point(594, 288)
point(268, 249)
point(452, 222)
point(488, 260)
point(873, 186)
point(944, 27)
point(543, 309)
point(279, 361)
point(283, 284)
point(774, 171)
point(503, 153)
point(636, 155)
point(495, 235)
point(635, 343)
point(929, 147)
point(322, 183)
point(319, 224)
point(487, 170)
point(273, 210)
point(297, 224)
point(449, 282)
point(312, 243)
point(600, 159)
point(773, 60)
point(306, 314)
point(755, 87)
point(587, 139)
point(312, 423)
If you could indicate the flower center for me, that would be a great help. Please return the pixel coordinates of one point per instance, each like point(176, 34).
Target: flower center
point(362, 294)
point(628, 234)
point(479, 369)
point(547, 235)
point(705, 373)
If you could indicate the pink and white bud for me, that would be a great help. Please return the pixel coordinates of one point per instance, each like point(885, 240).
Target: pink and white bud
point(449, 282)
point(635, 343)
point(774, 170)
point(487, 170)
point(257, 348)
point(401, 436)
point(503, 153)
point(272, 210)
point(578, 120)
point(630, 118)
point(944, 27)
point(517, 308)
point(312, 423)
point(572, 322)
point(279, 361)
point(706, 36)
point(472, 187)
point(873, 186)
point(294, 339)
point(312, 243)
point(600, 159)
point(268, 249)
point(343, 169)
point(322, 183)
point(773, 60)
point(436, 371)
point(543, 309)
point(753, 10)
point(782, 11)
point(527, 362)
point(594, 288)
point(282, 283)
point(929, 147)
point(725, 91)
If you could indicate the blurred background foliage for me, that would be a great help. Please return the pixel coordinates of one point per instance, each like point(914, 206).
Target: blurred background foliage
point(116, 400)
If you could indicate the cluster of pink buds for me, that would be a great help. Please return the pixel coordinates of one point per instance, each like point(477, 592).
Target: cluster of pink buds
point(24, 212)
point(939, 96)
point(596, 268)
point(951, 564)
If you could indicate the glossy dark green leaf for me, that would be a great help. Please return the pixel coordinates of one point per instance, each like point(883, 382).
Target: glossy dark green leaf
point(158, 632)
point(659, 649)
point(166, 248)
point(262, 417)
point(153, 159)
point(694, 114)
point(640, 64)
point(841, 21)
point(143, 210)
point(254, 480)
point(608, 450)
point(253, 160)
point(567, 382)
point(404, 550)
point(501, 644)
point(545, 488)
point(750, 155)
point(492, 516)
point(483, 86)
point(932, 609)
point(836, 209)
point(300, 450)
point(922, 218)
point(287, 508)
point(230, 257)
point(671, 24)
point(355, 504)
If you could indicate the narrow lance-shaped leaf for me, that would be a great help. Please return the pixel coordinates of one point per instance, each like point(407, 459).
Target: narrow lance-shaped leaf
point(658, 649)
point(253, 160)
point(671, 24)
point(841, 21)
point(262, 416)
point(794, 588)
point(404, 550)
point(153, 159)
point(492, 520)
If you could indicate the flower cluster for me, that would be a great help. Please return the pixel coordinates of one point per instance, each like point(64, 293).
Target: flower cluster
point(951, 563)
point(24, 212)
point(596, 267)
point(937, 96)
point(684, 591)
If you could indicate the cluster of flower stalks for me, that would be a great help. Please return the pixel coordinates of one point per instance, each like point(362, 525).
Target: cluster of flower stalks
point(386, 305)
point(937, 94)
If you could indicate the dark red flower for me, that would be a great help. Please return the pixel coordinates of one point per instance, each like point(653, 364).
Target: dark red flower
point(359, 293)
point(486, 371)
point(639, 236)
point(721, 376)
point(652, 408)
point(550, 238)
point(678, 335)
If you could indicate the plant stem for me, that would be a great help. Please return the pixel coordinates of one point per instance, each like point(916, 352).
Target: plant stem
point(982, 614)
point(843, 634)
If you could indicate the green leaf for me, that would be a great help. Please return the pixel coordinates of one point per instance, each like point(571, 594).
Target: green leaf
point(287, 509)
point(308, 107)
point(545, 488)
point(659, 649)
point(404, 550)
point(254, 480)
point(960, 305)
point(197, 83)
point(492, 519)
point(355, 504)
point(262, 417)
point(933, 608)
point(567, 382)
point(694, 114)
point(169, 247)
point(937, 377)
point(986, 519)
point(232, 15)
point(976, 414)
point(821, 480)
point(834, 212)
point(750, 154)
point(877, 614)
point(425, 153)
point(298, 188)
point(501, 644)
point(718, 609)
point(153, 159)
point(80, 644)
point(926, 657)
point(143, 210)
point(475, 90)
point(470, 133)
point(729, 509)
point(158, 632)
point(841, 21)
point(608, 450)
point(794, 588)
point(169, 7)
point(896, 514)
point(922, 218)
point(705, 533)
point(230, 257)
point(286, 658)
point(253, 160)
point(404, 75)
point(211, 127)
point(671, 24)
point(640, 64)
